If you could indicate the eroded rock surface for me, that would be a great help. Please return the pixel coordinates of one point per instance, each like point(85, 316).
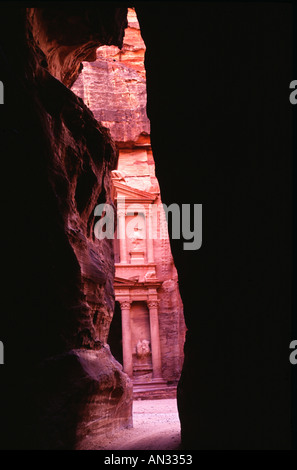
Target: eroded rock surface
point(61, 382)
point(68, 36)
point(114, 86)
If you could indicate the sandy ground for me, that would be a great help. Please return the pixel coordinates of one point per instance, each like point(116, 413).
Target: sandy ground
point(156, 426)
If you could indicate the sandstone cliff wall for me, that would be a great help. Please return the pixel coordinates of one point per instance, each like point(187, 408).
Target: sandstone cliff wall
point(61, 382)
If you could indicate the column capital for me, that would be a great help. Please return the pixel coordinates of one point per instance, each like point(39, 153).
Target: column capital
point(153, 303)
point(125, 303)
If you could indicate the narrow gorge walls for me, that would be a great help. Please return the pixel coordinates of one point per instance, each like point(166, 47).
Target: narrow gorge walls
point(114, 87)
point(217, 77)
point(218, 101)
point(60, 381)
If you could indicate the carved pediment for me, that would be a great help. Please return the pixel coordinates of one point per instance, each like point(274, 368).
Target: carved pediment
point(120, 281)
point(131, 194)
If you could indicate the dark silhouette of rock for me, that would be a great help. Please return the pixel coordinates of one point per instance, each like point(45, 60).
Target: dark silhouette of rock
point(61, 381)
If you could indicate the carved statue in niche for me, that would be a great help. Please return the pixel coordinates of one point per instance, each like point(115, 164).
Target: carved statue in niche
point(137, 238)
point(143, 348)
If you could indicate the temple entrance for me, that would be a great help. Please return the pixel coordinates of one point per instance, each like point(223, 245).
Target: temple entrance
point(115, 334)
point(141, 341)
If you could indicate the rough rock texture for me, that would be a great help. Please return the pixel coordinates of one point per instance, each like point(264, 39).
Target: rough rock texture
point(68, 36)
point(229, 147)
point(114, 87)
point(61, 381)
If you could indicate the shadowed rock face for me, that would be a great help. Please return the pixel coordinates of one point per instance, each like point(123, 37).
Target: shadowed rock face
point(221, 136)
point(61, 382)
point(234, 392)
point(67, 36)
point(114, 87)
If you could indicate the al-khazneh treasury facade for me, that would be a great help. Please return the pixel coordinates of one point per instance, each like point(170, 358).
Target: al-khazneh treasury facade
point(146, 282)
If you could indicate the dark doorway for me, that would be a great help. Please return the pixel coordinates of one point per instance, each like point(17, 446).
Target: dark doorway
point(115, 334)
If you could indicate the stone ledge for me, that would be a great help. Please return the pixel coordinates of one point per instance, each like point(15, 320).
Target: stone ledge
point(147, 392)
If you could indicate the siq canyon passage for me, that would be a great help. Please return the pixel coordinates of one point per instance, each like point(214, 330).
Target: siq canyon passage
point(63, 384)
point(146, 284)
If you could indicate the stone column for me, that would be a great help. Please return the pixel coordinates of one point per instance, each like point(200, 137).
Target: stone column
point(126, 338)
point(149, 237)
point(122, 234)
point(155, 338)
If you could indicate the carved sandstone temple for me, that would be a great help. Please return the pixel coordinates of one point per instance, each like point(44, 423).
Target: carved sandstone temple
point(147, 333)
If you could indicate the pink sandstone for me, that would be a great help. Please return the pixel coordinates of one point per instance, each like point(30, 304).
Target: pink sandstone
point(114, 87)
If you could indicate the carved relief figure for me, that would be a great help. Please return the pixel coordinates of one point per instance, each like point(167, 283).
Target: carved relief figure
point(137, 238)
point(143, 348)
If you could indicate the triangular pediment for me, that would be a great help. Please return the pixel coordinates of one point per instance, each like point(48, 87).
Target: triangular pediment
point(124, 282)
point(129, 193)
